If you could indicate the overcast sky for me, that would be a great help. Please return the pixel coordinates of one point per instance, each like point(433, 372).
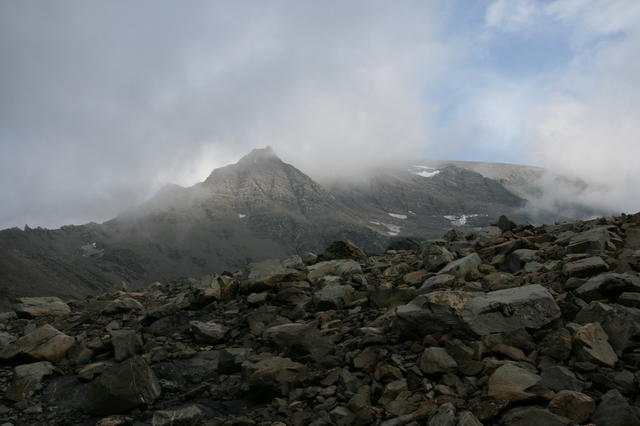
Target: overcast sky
point(103, 102)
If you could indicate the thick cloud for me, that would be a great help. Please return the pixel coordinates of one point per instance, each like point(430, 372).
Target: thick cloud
point(102, 102)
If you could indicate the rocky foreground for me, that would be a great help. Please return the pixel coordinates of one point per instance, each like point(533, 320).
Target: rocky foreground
point(511, 325)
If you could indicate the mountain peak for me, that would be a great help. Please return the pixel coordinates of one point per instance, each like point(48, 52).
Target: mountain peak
point(258, 155)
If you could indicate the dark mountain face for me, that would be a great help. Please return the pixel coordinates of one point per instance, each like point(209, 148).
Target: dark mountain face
point(258, 208)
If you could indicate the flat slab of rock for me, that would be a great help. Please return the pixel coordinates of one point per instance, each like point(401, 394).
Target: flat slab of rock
point(530, 306)
point(584, 268)
point(45, 343)
point(33, 307)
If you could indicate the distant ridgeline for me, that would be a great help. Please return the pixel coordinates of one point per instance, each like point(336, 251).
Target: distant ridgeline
point(255, 209)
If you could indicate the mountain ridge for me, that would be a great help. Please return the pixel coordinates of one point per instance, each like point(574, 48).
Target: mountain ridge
point(258, 208)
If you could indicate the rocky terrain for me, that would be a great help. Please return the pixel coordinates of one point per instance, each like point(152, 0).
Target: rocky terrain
point(256, 209)
point(510, 325)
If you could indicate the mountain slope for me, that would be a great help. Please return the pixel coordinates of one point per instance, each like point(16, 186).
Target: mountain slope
point(258, 208)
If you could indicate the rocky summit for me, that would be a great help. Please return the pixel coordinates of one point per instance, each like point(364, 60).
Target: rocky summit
point(510, 325)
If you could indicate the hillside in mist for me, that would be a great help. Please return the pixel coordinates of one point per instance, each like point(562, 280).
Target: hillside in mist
point(258, 208)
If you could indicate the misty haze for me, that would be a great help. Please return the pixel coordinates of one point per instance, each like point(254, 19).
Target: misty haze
point(319, 213)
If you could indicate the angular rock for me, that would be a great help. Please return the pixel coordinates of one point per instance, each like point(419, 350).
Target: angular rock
point(300, 340)
point(338, 268)
point(436, 257)
point(209, 332)
point(273, 376)
point(437, 361)
point(45, 343)
point(333, 296)
point(265, 274)
point(188, 416)
point(560, 378)
point(436, 282)
point(343, 249)
point(513, 384)
point(123, 304)
point(584, 268)
point(614, 410)
point(122, 387)
point(464, 267)
point(33, 307)
point(433, 312)
point(499, 311)
point(608, 286)
point(126, 343)
point(621, 323)
point(594, 241)
point(532, 416)
point(592, 345)
point(575, 406)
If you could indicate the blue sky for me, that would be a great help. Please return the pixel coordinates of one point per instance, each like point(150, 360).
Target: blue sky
point(104, 102)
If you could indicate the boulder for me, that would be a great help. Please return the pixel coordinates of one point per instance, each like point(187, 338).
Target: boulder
point(209, 332)
point(126, 343)
point(33, 307)
point(592, 345)
point(615, 410)
point(530, 306)
point(437, 282)
point(338, 268)
point(43, 343)
point(464, 267)
point(558, 378)
point(437, 361)
point(297, 339)
point(513, 384)
point(343, 249)
point(435, 257)
point(594, 241)
point(434, 312)
point(333, 296)
point(532, 416)
point(122, 387)
point(505, 224)
point(272, 376)
point(265, 274)
point(575, 406)
point(608, 286)
point(621, 323)
point(122, 304)
point(584, 268)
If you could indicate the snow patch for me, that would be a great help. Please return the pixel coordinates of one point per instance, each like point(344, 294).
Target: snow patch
point(424, 171)
point(240, 215)
point(398, 216)
point(460, 220)
point(392, 230)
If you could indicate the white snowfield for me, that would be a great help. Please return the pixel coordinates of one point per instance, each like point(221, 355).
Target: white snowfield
point(398, 216)
point(240, 215)
point(392, 230)
point(424, 171)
